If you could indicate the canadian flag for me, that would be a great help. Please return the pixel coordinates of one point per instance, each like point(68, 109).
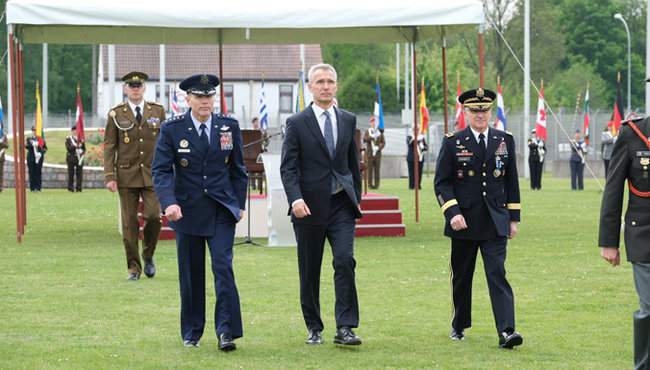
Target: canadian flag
point(540, 126)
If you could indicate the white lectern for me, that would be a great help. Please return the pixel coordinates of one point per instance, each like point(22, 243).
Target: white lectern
point(279, 223)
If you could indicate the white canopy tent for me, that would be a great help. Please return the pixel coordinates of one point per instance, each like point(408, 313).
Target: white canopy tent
point(255, 21)
point(211, 22)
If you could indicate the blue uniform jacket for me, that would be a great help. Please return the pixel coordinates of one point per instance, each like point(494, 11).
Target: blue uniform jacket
point(462, 183)
point(197, 179)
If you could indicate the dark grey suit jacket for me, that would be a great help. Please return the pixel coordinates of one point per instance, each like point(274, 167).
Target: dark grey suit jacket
point(307, 168)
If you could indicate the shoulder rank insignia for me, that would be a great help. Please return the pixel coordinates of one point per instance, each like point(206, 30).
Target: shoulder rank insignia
point(508, 133)
point(449, 134)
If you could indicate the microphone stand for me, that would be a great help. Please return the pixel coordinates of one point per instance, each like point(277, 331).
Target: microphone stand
point(248, 239)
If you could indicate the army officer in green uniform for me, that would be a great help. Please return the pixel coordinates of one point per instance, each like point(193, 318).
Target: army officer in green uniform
point(132, 130)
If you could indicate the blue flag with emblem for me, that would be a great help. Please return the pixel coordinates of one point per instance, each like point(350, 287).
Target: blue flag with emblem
point(264, 113)
point(379, 110)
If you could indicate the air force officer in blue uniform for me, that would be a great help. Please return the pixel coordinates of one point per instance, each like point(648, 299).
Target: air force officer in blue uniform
point(200, 179)
point(477, 186)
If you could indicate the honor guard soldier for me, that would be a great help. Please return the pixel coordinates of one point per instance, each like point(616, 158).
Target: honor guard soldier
point(631, 162)
point(200, 179)
point(130, 138)
point(477, 186)
point(3, 147)
point(75, 152)
point(536, 152)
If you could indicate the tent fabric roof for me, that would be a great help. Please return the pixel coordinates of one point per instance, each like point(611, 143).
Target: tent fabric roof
point(240, 62)
point(252, 21)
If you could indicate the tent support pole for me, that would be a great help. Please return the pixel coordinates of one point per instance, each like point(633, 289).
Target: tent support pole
point(445, 87)
point(416, 131)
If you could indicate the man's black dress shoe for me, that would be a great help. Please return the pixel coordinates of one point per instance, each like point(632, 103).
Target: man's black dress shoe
point(345, 335)
point(149, 268)
point(456, 334)
point(226, 343)
point(133, 276)
point(191, 343)
point(314, 337)
point(509, 339)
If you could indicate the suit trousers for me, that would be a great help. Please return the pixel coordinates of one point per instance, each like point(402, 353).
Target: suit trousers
point(412, 174)
point(463, 261)
point(374, 163)
point(35, 170)
point(129, 204)
point(339, 231)
point(642, 316)
point(536, 168)
point(191, 277)
point(75, 171)
point(577, 170)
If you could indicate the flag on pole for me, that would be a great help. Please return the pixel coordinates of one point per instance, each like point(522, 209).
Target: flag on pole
point(175, 110)
point(2, 121)
point(585, 117)
point(300, 98)
point(79, 118)
point(379, 110)
point(264, 113)
point(500, 123)
point(460, 114)
point(540, 126)
point(38, 124)
point(424, 112)
point(614, 123)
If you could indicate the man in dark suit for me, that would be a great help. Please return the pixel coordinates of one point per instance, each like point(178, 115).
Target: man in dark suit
point(320, 174)
point(75, 151)
point(631, 162)
point(477, 186)
point(200, 179)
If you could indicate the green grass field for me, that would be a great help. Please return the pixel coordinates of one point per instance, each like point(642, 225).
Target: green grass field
point(66, 304)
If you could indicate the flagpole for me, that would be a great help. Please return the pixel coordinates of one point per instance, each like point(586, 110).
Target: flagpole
point(445, 87)
point(416, 159)
point(526, 82)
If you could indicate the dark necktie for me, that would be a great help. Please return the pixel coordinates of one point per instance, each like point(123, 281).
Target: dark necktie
point(204, 136)
point(138, 115)
point(329, 134)
point(482, 149)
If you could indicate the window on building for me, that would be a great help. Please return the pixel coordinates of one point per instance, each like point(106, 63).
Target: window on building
point(228, 92)
point(286, 98)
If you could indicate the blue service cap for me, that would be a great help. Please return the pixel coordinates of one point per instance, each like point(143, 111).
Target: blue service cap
point(202, 85)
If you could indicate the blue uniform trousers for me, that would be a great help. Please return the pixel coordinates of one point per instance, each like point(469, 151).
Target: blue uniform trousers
point(191, 273)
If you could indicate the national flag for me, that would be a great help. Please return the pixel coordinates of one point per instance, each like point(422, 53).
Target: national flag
point(500, 123)
point(79, 118)
point(2, 121)
point(38, 124)
point(540, 126)
point(424, 112)
point(300, 97)
point(379, 110)
point(460, 114)
point(585, 117)
point(614, 123)
point(264, 113)
point(175, 110)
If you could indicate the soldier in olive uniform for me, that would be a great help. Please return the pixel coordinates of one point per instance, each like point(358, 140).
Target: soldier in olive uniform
point(631, 162)
point(477, 186)
point(130, 139)
point(375, 142)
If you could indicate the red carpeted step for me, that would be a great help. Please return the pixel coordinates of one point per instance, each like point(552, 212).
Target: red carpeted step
point(166, 233)
point(380, 217)
point(380, 230)
point(378, 202)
